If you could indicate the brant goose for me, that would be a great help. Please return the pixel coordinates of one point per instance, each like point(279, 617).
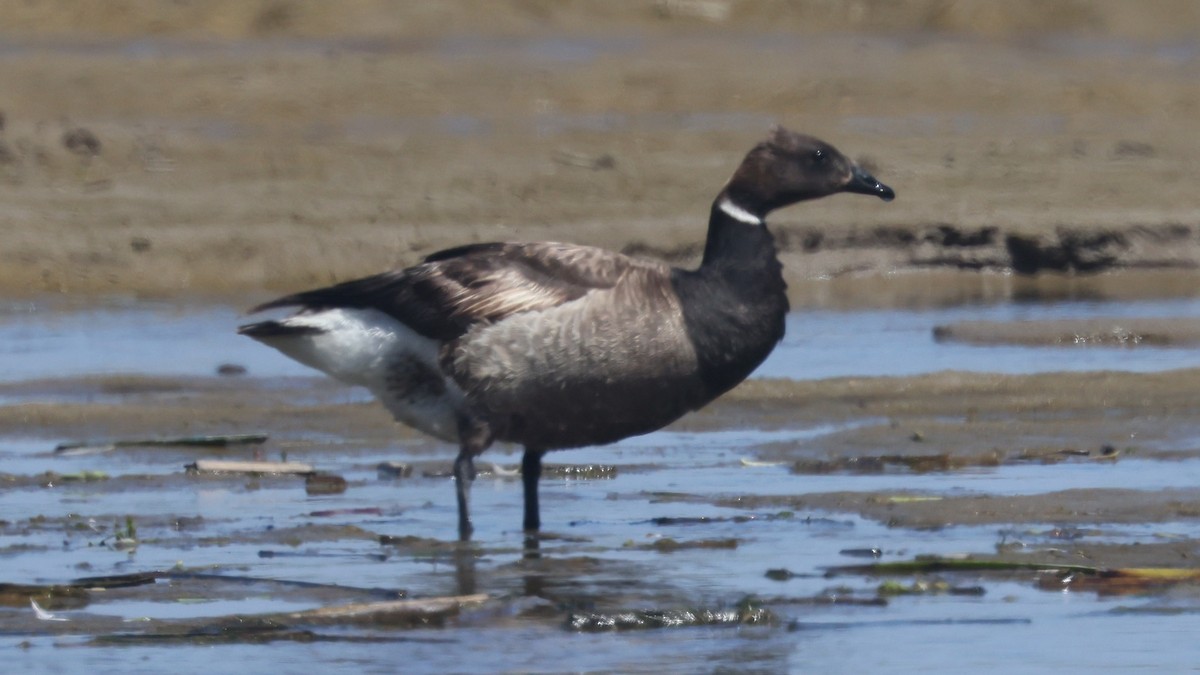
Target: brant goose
point(560, 346)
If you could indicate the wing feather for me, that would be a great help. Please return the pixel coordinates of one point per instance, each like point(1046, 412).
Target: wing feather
point(480, 283)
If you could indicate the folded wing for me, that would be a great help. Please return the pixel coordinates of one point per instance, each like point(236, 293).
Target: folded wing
point(455, 289)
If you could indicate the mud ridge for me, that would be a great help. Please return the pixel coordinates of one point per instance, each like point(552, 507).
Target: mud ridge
point(995, 247)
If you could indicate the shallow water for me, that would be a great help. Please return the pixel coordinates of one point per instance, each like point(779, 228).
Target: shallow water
point(822, 343)
point(41, 340)
point(271, 529)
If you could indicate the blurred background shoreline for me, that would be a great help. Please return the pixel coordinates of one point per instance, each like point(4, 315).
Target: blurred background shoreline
point(231, 148)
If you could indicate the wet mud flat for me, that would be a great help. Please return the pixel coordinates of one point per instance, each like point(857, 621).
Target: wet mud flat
point(950, 504)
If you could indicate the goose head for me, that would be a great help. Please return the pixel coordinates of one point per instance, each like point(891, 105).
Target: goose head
point(789, 167)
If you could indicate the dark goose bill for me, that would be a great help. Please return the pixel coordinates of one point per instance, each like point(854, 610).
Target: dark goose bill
point(864, 183)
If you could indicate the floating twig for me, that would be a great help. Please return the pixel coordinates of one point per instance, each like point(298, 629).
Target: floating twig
point(759, 463)
point(390, 610)
point(217, 441)
point(232, 466)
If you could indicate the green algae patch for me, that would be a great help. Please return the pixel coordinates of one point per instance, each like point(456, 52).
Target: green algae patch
point(1049, 575)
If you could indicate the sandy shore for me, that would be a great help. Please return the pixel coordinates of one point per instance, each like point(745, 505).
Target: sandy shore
point(251, 147)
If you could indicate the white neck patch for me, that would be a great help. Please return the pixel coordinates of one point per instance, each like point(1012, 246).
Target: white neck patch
point(738, 213)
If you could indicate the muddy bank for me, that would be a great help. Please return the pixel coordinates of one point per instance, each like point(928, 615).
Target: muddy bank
point(1133, 404)
point(238, 148)
point(1171, 19)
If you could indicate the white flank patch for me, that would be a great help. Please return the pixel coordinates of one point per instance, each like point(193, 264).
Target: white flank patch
point(361, 347)
point(354, 345)
point(738, 213)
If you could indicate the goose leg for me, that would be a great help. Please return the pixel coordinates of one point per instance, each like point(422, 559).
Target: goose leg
point(531, 471)
point(474, 438)
point(464, 473)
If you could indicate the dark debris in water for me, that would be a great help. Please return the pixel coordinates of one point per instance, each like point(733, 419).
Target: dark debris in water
point(667, 521)
point(1105, 452)
point(118, 580)
point(665, 497)
point(73, 594)
point(77, 594)
point(291, 584)
point(389, 470)
point(669, 545)
point(215, 441)
point(240, 631)
point(267, 554)
point(882, 463)
point(324, 484)
point(53, 597)
point(861, 552)
point(779, 574)
point(937, 564)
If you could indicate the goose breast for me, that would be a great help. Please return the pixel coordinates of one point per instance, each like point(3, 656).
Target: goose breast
point(610, 364)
